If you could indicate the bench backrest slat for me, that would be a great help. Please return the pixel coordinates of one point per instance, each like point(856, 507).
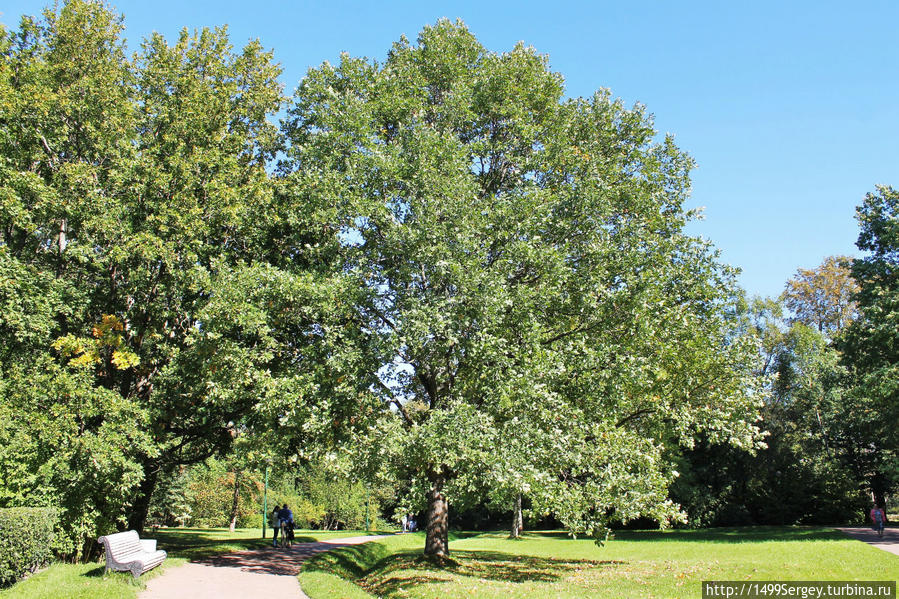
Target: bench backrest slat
point(123, 543)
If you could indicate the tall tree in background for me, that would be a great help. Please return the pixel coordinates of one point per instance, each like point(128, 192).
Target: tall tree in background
point(800, 475)
point(520, 256)
point(870, 347)
point(822, 297)
point(160, 295)
point(67, 127)
point(192, 245)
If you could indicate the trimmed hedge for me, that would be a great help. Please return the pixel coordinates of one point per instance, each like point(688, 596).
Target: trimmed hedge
point(26, 536)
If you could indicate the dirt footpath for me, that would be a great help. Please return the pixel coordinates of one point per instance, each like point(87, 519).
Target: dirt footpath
point(270, 573)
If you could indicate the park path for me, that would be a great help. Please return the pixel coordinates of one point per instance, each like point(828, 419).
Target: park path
point(270, 573)
point(889, 542)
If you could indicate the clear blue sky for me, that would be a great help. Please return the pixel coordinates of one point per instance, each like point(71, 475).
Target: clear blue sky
point(790, 108)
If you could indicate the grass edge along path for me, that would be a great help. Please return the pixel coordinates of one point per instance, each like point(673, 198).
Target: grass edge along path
point(87, 581)
point(634, 564)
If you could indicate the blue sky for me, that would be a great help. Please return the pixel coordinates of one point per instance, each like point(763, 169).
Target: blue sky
point(790, 108)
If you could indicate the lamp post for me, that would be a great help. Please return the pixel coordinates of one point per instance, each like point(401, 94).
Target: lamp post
point(265, 503)
point(367, 499)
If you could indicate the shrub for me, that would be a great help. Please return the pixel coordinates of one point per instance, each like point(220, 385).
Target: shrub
point(209, 495)
point(26, 537)
point(307, 514)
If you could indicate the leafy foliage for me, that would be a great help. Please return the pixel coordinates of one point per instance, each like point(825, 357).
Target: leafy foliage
point(153, 288)
point(803, 474)
point(518, 255)
point(341, 501)
point(26, 539)
point(870, 348)
point(822, 297)
point(209, 495)
point(473, 286)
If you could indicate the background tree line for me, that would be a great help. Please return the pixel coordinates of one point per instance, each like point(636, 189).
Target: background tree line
point(831, 448)
point(437, 275)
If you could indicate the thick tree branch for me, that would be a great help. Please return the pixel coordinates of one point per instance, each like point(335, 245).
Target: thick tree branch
point(634, 416)
point(384, 318)
point(396, 402)
point(574, 331)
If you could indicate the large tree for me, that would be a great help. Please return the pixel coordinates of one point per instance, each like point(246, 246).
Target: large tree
point(822, 297)
point(174, 291)
point(522, 278)
point(65, 123)
point(870, 347)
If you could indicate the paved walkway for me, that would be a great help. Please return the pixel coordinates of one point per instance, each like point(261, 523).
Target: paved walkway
point(270, 573)
point(889, 542)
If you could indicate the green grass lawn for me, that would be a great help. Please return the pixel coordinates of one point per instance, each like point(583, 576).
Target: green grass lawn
point(634, 564)
point(87, 581)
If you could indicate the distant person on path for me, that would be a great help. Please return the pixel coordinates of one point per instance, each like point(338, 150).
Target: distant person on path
point(878, 517)
point(405, 522)
point(285, 517)
point(276, 524)
point(412, 524)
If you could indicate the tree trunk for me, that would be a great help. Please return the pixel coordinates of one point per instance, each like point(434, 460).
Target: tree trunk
point(61, 240)
point(437, 539)
point(517, 520)
point(234, 501)
point(61, 244)
point(878, 492)
point(141, 506)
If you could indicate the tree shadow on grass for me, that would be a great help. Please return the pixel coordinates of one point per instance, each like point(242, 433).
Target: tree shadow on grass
point(354, 561)
point(404, 571)
point(197, 544)
point(740, 534)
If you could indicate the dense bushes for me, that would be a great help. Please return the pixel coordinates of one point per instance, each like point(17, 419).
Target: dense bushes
point(778, 485)
point(26, 539)
point(203, 495)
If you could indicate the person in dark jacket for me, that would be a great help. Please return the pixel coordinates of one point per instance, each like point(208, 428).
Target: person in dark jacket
point(285, 517)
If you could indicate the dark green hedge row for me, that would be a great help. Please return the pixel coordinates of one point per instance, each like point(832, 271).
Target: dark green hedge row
point(26, 534)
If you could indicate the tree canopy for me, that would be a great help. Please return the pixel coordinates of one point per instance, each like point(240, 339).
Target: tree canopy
point(870, 346)
point(822, 297)
point(158, 295)
point(439, 271)
point(521, 270)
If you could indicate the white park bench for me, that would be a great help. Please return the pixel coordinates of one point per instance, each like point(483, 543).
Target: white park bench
point(126, 552)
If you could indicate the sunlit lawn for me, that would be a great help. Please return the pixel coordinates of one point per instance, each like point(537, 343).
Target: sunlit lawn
point(634, 564)
point(87, 581)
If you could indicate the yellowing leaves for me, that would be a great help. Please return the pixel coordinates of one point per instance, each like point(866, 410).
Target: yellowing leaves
point(108, 341)
point(108, 324)
point(124, 359)
point(583, 155)
point(69, 345)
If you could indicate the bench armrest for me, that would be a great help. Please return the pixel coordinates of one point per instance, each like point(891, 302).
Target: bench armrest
point(148, 545)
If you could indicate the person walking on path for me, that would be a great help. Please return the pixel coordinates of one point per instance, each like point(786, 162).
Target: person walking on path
point(276, 525)
point(285, 517)
point(878, 518)
point(405, 521)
